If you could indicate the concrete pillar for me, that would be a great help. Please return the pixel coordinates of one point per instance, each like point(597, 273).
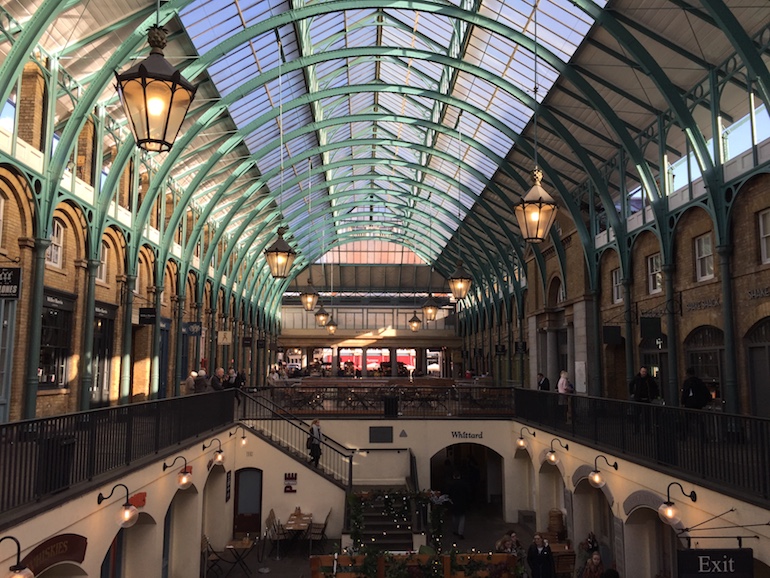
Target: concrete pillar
point(364, 351)
point(552, 354)
point(393, 362)
point(31, 107)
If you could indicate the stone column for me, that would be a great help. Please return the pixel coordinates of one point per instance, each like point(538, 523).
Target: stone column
point(552, 355)
point(35, 329)
point(393, 362)
point(364, 351)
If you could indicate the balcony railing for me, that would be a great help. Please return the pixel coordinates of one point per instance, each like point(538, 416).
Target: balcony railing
point(41, 457)
point(727, 453)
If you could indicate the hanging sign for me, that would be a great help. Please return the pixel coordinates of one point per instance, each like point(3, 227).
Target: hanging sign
point(192, 327)
point(147, 316)
point(499, 349)
point(10, 282)
point(716, 563)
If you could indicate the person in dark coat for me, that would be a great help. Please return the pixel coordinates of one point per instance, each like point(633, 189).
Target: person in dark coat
point(315, 442)
point(218, 379)
point(540, 558)
point(460, 492)
point(695, 394)
point(543, 383)
point(643, 387)
point(201, 383)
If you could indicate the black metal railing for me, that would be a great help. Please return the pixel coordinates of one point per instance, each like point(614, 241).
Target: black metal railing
point(40, 457)
point(290, 433)
point(385, 401)
point(725, 452)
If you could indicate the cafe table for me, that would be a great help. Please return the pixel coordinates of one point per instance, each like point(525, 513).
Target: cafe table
point(298, 523)
point(239, 548)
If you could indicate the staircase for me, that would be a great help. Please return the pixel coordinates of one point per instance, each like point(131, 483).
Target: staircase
point(382, 532)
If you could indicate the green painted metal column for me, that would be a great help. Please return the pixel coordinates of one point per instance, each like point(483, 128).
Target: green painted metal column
point(729, 380)
point(125, 363)
point(86, 360)
point(35, 328)
point(180, 373)
point(155, 354)
point(628, 322)
point(671, 387)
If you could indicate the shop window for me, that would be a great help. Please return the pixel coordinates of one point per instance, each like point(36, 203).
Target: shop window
point(654, 274)
point(704, 350)
point(617, 286)
point(764, 235)
point(54, 253)
point(704, 258)
point(55, 348)
point(101, 270)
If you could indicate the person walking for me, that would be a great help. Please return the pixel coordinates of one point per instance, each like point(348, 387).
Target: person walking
point(459, 491)
point(695, 394)
point(315, 442)
point(540, 558)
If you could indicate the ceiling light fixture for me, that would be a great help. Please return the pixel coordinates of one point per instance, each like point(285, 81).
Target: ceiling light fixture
point(331, 325)
point(459, 280)
point(536, 212)
point(155, 95)
point(280, 255)
point(309, 296)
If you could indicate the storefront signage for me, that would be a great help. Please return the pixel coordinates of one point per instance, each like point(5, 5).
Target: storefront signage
point(10, 282)
point(261, 343)
point(246, 341)
point(499, 349)
point(521, 347)
point(147, 316)
point(466, 435)
point(713, 563)
point(55, 301)
point(61, 548)
point(105, 310)
point(192, 328)
point(703, 304)
point(290, 483)
point(759, 293)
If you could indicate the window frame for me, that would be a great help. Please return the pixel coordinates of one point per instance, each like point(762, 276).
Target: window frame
point(764, 237)
point(617, 285)
point(54, 255)
point(702, 259)
point(654, 275)
point(101, 270)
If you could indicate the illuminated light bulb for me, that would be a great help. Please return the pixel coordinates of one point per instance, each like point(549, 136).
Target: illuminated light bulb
point(669, 513)
point(128, 516)
point(596, 479)
point(156, 106)
point(552, 457)
point(184, 480)
point(243, 441)
point(219, 457)
point(521, 442)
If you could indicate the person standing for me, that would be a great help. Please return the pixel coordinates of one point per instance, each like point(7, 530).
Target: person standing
point(543, 383)
point(695, 394)
point(217, 380)
point(459, 491)
point(315, 442)
point(565, 388)
point(594, 567)
point(189, 383)
point(201, 383)
point(540, 558)
point(643, 389)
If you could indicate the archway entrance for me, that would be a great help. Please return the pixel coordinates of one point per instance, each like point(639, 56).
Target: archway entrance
point(650, 544)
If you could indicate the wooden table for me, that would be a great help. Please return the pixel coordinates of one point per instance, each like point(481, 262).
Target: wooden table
point(240, 549)
point(298, 522)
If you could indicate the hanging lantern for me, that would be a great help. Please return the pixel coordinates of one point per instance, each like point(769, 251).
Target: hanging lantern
point(430, 308)
point(331, 325)
point(321, 316)
point(460, 282)
point(415, 322)
point(155, 96)
point(536, 212)
point(280, 256)
point(309, 296)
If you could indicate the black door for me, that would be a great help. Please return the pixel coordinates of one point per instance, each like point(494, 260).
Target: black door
point(248, 501)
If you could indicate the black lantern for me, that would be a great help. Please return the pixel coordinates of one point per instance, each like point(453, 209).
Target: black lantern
point(309, 296)
point(415, 322)
point(460, 282)
point(331, 325)
point(321, 316)
point(280, 256)
point(155, 96)
point(430, 308)
point(536, 212)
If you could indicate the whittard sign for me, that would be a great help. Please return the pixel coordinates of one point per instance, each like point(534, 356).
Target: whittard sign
point(712, 563)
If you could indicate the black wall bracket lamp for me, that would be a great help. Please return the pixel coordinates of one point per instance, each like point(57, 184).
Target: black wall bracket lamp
point(128, 513)
point(668, 511)
point(595, 478)
point(243, 437)
point(219, 456)
point(18, 570)
point(184, 477)
point(521, 443)
point(552, 456)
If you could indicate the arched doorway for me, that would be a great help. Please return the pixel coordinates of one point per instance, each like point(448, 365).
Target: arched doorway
point(64, 570)
point(180, 517)
point(592, 512)
point(758, 351)
point(550, 493)
point(217, 521)
point(247, 518)
point(650, 545)
point(704, 351)
point(481, 466)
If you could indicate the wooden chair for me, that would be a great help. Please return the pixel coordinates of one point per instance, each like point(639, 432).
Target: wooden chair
point(317, 531)
point(211, 560)
point(275, 532)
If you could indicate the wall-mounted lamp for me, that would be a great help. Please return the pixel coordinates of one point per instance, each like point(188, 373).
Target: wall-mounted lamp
point(521, 443)
point(219, 457)
point(18, 570)
point(595, 478)
point(668, 511)
point(184, 477)
point(243, 437)
point(552, 457)
point(128, 513)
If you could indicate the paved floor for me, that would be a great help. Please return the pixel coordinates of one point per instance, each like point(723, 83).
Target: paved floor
point(482, 530)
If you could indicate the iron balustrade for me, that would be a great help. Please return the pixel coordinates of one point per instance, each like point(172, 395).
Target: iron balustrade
point(41, 457)
point(290, 433)
point(727, 453)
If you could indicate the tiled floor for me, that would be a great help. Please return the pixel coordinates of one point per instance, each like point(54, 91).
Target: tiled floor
point(482, 530)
